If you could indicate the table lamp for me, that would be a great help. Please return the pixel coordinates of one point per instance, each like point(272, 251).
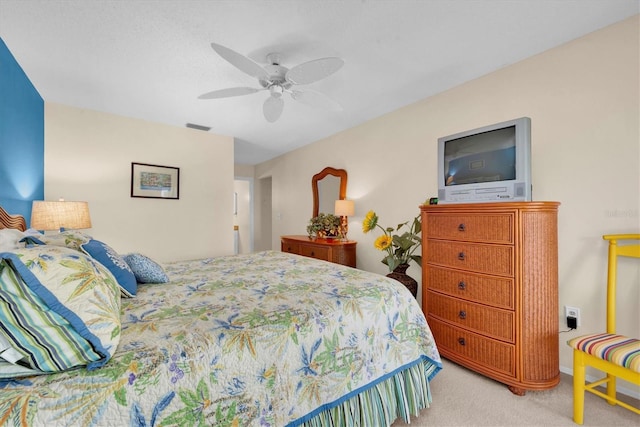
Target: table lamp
point(60, 215)
point(344, 209)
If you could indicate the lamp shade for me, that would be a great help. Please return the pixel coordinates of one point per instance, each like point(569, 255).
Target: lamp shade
point(61, 214)
point(344, 208)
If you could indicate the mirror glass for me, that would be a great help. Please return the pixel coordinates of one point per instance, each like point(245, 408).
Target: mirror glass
point(328, 193)
point(328, 186)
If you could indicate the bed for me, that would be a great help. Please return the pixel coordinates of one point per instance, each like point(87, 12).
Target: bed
point(265, 339)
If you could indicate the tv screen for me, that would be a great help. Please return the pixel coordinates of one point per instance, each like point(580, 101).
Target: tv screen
point(488, 164)
point(485, 157)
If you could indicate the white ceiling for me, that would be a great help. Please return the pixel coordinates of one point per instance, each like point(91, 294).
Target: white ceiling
point(150, 59)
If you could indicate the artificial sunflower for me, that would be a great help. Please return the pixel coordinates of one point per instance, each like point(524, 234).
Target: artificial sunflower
point(370, 221)
point(383, 242)
point(400, 248)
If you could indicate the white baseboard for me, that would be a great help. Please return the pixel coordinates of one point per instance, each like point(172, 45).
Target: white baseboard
point(620, 389)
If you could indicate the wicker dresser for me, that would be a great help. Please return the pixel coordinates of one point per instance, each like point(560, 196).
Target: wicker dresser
point(332, 250)
point(490, 289)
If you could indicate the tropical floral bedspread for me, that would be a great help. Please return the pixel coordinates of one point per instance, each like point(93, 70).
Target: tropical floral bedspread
point(267, 339)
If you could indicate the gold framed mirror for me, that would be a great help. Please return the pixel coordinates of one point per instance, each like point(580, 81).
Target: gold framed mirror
point(328, 185)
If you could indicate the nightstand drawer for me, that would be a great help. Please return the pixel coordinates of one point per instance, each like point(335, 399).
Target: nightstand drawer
point(494, 291)
point(317, 252)
point(490, 259)
point(489, 321)
point(490, 228)
point(455, 342)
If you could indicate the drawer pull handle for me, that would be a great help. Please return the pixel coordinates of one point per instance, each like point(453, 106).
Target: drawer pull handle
point(313, 253)
point(461, 341)
point(462, 286)
point(461, 256)
point(462, 227)
point(462, 314)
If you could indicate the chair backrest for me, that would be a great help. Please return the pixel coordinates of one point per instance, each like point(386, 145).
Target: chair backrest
point(629, 247)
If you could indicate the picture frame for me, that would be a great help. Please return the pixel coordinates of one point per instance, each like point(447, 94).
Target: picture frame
point(155, 181)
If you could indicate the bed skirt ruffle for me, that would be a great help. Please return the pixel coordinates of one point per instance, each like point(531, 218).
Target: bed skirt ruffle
point(400, 395)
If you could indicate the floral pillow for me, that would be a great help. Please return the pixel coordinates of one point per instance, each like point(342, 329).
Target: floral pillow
point(145, 269)
point(69, 238)
point(100, 251)
point(108, 257)
point(60, 310)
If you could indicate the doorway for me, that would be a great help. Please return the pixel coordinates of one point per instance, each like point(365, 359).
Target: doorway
point(243, 215)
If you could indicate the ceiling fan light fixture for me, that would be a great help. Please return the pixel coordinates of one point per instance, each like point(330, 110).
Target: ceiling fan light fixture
point(272, 108)
point(278, 79)
point(276, 91)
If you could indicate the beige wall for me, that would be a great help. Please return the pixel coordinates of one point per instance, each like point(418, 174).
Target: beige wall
point(582, 99)
point(88, 156)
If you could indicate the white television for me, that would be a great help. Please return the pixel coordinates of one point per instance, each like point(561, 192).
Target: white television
point(488, 164)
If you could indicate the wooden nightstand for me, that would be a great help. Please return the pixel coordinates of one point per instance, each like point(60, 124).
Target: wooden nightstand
point(332, 250)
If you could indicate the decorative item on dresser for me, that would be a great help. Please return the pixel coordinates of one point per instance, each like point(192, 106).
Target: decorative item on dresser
point(490, 289)
point(324, 226)
point(327, 186)
point(344, 209)
point(332, 250)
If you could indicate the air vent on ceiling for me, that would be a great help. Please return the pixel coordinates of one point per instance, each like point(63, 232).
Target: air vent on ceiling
point(198, 127)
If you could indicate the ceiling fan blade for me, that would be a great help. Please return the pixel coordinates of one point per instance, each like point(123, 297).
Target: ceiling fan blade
point(272, 108)
point(227, 93)
point(241, 62)
point(315, 99)
point(312, 71)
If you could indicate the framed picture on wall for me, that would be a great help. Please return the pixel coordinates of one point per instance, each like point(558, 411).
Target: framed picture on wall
point(155, 181)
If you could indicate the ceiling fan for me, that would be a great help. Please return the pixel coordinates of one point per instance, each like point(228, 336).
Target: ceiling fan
point(278, 79)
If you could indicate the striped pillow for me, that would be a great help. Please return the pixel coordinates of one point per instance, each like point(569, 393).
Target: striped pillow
point(60, 310)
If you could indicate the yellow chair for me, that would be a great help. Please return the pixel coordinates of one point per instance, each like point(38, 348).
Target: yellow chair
point(613, 354)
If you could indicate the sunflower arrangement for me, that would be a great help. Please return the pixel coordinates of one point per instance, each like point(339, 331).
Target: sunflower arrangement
point(400, 247)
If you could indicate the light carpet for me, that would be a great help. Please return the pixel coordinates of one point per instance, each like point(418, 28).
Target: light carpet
point(462, 397)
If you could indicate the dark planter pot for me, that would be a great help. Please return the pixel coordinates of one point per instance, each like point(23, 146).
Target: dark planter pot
point(399, 274)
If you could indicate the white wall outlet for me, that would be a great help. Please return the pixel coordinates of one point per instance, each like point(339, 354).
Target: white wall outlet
point(572, 312)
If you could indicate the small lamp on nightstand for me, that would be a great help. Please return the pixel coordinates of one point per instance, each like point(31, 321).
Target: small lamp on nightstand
point(344, 209)
point(59, 215)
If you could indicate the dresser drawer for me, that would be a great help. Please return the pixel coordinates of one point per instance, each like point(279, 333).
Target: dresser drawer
point(290, 247)
point(496, 355)
point(332, 250)
point(490, 321)
point(317, 252)
point(490, 228)
point(491, 290)
point(490, 259)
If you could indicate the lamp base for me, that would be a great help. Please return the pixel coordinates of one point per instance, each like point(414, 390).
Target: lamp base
point(344, 228)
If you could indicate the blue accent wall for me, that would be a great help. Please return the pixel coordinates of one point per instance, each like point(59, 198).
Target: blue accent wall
point(21, 138)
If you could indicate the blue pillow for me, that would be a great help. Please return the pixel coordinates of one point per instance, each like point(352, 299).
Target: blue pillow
point(145, 269)
point(106, 256)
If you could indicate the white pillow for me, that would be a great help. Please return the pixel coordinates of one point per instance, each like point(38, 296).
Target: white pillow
point(9, 239)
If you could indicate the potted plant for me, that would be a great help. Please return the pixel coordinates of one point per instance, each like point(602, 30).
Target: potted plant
point(324, 226)
point(400, 244)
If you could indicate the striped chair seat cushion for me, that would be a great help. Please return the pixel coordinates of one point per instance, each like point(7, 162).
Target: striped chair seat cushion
point(618, 349)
